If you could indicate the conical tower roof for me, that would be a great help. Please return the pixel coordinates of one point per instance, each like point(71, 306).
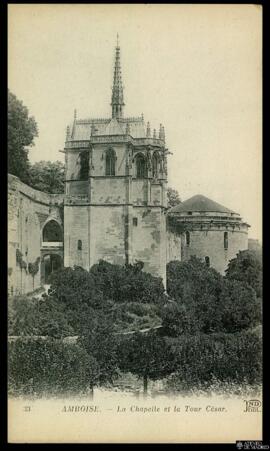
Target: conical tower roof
point(200, 203)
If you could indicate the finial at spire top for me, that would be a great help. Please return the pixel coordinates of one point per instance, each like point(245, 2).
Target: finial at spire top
point(117, 40)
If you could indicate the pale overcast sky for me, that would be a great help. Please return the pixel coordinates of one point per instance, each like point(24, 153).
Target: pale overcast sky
point(194, 68)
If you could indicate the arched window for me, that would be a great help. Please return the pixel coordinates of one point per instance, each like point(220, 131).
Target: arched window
point(155, 165)
point(84, 165)
point(141, 167)
point(110, 162)
point(52, 232)
point(207, 261)
point(79, 246)
point(187, 238)
point(226, 241)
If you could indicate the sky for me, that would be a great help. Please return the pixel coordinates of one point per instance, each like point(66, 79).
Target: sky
point(196, 69)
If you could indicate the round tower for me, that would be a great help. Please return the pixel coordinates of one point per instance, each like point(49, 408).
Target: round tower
point(208, 231)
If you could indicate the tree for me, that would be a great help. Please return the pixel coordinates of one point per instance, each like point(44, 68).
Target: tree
point(206, 361)
point(127, 283)
point(247, 267)
point(22, 129)
point(48, 176)
point(101, 343)
point(45, 366)
point(33, 269)
point(205, 302)
point(75, 287)
point(173, 197)
point(36, 317)
point(146, 355)
point(239, 307)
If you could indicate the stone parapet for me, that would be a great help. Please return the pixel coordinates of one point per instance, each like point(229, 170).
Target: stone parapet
point(15, 184)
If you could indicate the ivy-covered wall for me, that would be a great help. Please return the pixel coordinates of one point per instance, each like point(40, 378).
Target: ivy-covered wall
point(28, 210)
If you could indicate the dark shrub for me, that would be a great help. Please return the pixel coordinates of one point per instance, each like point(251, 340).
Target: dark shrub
point(49, 366)
point(200, 359)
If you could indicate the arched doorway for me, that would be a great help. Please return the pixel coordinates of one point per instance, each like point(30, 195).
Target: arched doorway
point(51, 263)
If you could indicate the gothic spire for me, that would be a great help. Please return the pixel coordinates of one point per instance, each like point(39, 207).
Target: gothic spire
point(117, 90)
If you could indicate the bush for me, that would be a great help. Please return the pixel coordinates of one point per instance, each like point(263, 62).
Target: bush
point(49, 366)
point(206, 302)
point(127, 283)
point(247, 267)
point(200, 360)
point(145, 354)
point(75, 287)
point(101, 342)
point(36, 317)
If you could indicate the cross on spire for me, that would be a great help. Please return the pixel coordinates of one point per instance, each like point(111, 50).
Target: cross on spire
point(117, 102)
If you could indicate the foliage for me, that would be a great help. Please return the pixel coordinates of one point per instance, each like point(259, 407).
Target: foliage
point(239, 306)
point(247, 267)
point(127, 283)
point(22, 130)
point(49, 366)
point(204, 301)
point(33, 268)
point(201, 360)
point(206, 335)
point(173, 197)
point(75, 287)
point(36, 317)
point(134, 316)
point(101, 342)
point(146, 355)
point(48, 176)
point(20, 260)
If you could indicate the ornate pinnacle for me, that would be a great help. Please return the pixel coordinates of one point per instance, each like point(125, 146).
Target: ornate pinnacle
point(68, 133)
point(154, 134)
point(148, 130)
point(74, 123)
point(162, 133)
point(117, 102)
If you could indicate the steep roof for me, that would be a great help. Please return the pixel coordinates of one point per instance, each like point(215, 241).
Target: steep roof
point(200, 203)
point(82, 128)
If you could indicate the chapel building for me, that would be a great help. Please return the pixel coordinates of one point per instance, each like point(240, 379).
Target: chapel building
point(114, 207)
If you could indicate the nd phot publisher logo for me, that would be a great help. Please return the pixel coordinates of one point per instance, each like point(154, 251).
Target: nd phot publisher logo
point(253, 405)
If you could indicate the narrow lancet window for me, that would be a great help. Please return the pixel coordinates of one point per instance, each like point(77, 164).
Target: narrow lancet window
point(141, 167)
point(110, 162)
point(226, 241)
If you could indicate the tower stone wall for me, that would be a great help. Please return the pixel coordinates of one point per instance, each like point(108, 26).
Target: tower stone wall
point(115, 198)
point(206, 230)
